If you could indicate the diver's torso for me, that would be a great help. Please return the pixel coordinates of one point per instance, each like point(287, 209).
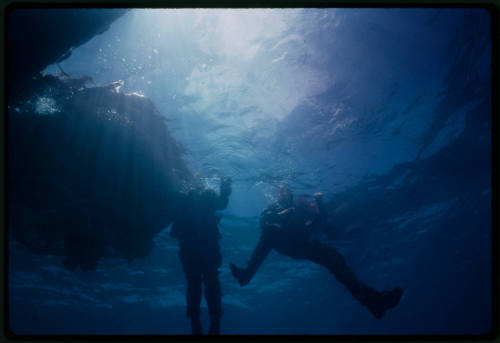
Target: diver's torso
point(198, 236)
point(285, 230)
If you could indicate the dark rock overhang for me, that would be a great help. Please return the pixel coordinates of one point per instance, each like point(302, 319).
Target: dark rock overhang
point(38, 37)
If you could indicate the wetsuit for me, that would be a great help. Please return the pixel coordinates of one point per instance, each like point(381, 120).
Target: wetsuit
point(289, 230)
point(195, 228)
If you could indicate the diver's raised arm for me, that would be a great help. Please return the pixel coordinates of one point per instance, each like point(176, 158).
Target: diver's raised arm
point(225, 192)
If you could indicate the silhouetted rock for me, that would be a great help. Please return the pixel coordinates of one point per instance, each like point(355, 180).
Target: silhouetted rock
point(91, 171)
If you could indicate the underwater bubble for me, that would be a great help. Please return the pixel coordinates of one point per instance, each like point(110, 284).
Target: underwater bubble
point(46, 105)
point(139, 94)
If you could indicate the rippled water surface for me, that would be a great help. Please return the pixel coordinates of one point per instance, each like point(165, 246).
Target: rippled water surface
point(386, 111)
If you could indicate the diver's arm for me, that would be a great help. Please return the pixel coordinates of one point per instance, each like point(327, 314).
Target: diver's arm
point(312, 224)
point(271, 216)
point(225, 192)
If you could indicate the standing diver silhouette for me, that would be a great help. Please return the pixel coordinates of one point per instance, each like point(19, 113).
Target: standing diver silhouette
point(195, 228)
point(288, 229)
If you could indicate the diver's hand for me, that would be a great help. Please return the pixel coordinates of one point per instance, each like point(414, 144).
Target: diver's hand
point(287, 211)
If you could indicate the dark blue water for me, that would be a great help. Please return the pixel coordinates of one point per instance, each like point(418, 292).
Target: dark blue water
point(386, 111)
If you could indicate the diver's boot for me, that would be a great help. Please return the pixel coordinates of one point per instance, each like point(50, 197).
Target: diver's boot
point(214, 327)
point(242, 275)
point(196, 328)
point(385, 301)
point(213, 296)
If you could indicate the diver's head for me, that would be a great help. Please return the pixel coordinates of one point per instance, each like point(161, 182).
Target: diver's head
point(285, 195)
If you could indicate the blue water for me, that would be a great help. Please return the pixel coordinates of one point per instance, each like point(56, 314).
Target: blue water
point(350, 102)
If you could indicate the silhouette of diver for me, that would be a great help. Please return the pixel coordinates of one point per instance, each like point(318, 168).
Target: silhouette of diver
point(195, 228)
point(289, 228)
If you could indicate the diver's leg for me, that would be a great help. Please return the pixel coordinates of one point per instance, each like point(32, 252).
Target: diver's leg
point(213, 296)
point(244, 275)
point(377, 302)
point(193, 302)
